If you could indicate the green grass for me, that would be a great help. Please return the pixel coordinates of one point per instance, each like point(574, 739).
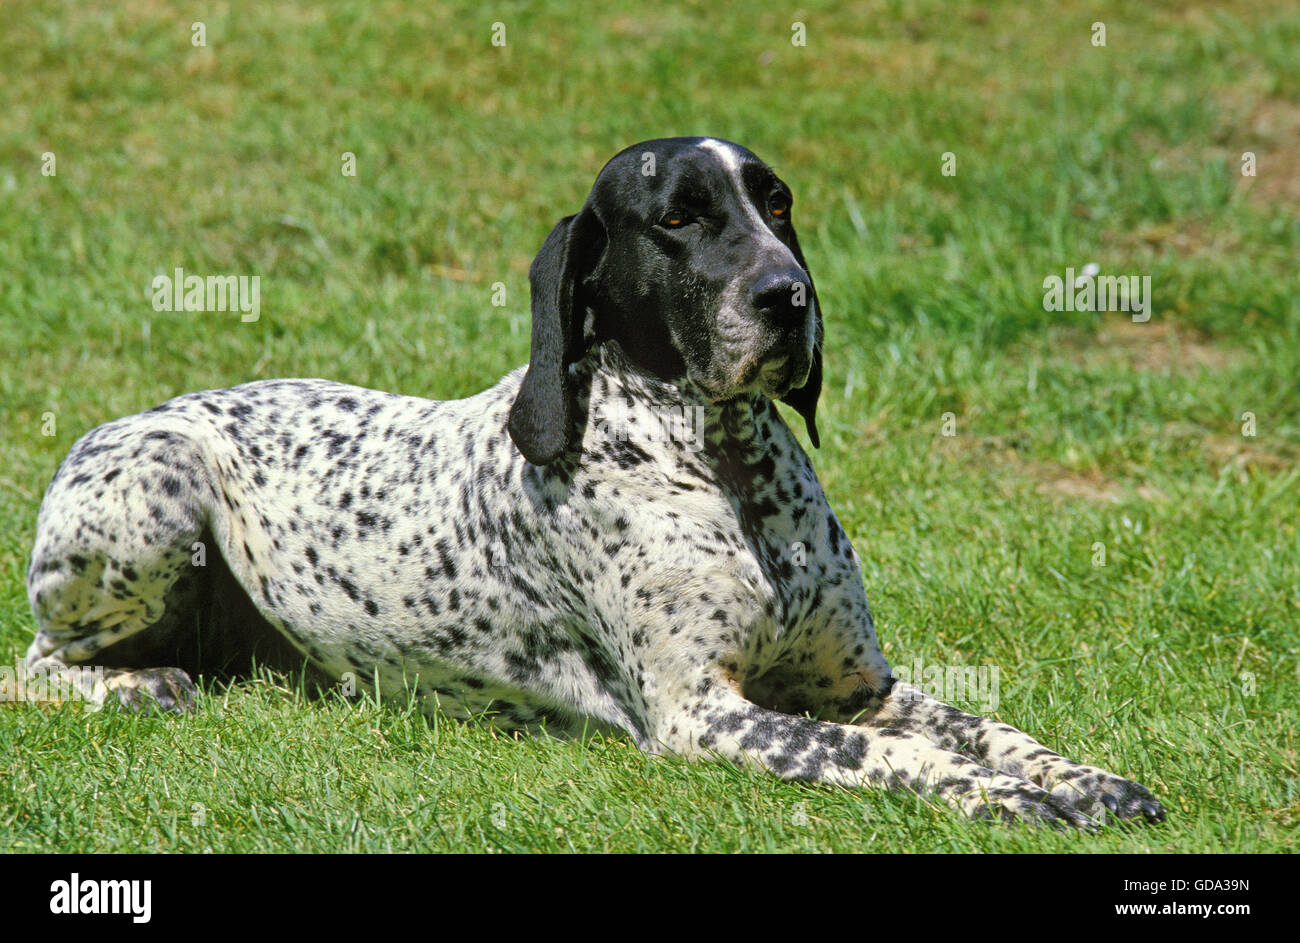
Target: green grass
point(1175, 664)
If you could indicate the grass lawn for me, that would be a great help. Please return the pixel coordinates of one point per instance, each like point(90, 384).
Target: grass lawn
point(1174, 663)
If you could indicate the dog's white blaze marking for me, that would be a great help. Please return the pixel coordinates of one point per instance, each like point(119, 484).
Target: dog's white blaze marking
point(725, 153)
point(730, 161)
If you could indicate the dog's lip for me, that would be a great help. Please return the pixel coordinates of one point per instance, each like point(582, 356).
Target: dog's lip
point(783, 374)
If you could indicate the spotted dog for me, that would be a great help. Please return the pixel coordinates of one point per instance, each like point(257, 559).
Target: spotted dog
point(624, 535)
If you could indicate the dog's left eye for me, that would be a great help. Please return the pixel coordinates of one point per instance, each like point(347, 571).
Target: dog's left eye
point(778, 204)
point(675, 220)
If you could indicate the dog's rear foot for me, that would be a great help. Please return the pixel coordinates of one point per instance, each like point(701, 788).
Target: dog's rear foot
point(164, 689)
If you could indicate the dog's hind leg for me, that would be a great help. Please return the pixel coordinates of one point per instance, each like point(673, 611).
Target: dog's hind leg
point(112, 577)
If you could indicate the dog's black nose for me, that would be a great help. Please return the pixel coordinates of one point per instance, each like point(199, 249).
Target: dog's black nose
point(782, 293)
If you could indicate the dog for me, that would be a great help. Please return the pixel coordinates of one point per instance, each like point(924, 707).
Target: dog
point(622, 536)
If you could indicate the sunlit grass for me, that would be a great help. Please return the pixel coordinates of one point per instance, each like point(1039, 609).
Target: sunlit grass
point(1175, 663)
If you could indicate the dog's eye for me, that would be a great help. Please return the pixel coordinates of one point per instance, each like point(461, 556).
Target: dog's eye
point(778, 205)
point(675, 220)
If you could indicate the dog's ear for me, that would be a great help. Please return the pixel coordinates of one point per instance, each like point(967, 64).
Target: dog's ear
point(804, 399)
point(542, 415)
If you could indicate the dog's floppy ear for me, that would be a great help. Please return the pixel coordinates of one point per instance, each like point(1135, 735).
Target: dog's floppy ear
point(542, 414)
point(804, 399)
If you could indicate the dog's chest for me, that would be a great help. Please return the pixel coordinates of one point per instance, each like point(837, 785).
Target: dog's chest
point(729, 500)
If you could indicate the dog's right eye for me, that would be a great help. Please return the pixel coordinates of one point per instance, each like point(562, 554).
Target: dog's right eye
point(675, 220)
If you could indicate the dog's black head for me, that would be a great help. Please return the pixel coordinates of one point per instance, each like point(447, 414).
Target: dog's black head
point(685, 254)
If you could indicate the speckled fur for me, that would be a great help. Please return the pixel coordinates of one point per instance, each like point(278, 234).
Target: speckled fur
point(699, 599)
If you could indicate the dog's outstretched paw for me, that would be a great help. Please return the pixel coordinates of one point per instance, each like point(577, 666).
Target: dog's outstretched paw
point(1100, 794)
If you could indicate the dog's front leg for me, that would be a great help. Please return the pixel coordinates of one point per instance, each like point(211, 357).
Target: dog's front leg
point(718, 721)
point(989, 743)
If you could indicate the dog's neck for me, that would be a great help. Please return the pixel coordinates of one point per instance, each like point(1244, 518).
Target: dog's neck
point(624, 399)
